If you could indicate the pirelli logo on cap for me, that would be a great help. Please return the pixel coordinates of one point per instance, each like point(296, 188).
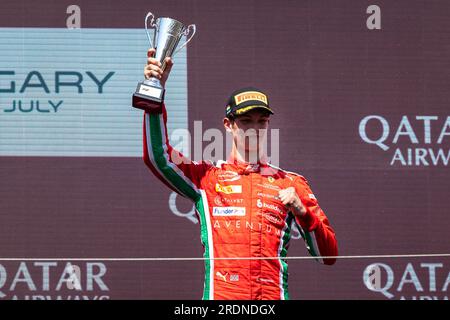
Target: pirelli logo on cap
point(250, 95)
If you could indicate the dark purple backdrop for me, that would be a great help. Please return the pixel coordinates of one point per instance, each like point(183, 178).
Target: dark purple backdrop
point(324, 72)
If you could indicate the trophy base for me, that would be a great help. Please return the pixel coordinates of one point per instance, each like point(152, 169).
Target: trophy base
point(149, 96)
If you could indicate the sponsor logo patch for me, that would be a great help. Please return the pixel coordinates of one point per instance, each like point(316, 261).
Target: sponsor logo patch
point(228, 176)
point(268, 186)
point(228, 211)
point(250, 95)
point(269, 206)
point(272, 218)
point(234, 277)
point(265, 280)
point(228, 189)
point(222, 276)
point(267, 195)
point(219, 200)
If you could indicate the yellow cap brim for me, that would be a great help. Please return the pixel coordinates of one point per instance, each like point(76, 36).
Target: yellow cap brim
point(246, 109)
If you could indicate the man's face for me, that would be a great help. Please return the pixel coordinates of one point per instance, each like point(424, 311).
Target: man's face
point(249, 130)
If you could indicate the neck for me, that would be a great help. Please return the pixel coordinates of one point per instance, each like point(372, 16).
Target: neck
point(246, 156)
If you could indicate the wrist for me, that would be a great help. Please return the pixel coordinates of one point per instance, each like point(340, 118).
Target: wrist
point(299, 209)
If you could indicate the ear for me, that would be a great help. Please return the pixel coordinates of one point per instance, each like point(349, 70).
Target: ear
point(228, 125)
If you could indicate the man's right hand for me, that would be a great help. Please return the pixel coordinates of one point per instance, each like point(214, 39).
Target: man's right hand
point(153, 67)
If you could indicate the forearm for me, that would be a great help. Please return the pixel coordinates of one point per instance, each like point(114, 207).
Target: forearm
point(170, 166)
point(318, 234)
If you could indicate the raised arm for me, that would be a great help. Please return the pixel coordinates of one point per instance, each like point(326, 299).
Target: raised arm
point(170, 166)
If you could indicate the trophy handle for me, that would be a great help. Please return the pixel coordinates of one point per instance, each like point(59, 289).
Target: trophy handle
point(186, 33)
point(152, 25)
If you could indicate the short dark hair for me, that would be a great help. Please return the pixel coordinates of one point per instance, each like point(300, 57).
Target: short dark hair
point(231, 117)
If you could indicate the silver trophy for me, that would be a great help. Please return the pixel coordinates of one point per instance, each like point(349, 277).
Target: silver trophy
point(167, 35)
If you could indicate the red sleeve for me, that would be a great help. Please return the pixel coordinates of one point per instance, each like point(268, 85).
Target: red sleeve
point(175, 170)
point(316, 230)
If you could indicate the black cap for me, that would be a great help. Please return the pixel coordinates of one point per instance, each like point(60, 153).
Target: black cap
point(246, 99)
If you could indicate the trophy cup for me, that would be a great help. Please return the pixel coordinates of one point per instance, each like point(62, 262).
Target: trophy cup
point(168, 32)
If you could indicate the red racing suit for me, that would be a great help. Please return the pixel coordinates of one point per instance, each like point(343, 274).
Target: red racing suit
point(240, 216)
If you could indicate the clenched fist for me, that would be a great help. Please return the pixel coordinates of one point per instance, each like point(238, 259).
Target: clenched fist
point(153, 67)
point(290, 198)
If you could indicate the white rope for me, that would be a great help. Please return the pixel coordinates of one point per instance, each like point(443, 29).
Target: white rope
point(425, 255)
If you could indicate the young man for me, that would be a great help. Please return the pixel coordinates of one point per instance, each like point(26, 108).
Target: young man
point(246, 206)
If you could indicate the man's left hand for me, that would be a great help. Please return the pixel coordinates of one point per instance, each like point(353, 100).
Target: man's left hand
point(290, 198)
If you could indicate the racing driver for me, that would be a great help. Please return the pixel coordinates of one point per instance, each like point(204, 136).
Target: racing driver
point(246, 206)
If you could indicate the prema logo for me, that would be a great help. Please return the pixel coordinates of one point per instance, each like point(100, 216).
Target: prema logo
point(424, 281)
point(428, 131)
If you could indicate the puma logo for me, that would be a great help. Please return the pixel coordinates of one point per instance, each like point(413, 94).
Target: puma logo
point(224, 277)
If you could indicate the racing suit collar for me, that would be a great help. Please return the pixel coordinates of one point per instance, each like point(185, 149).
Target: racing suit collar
point(243, 167)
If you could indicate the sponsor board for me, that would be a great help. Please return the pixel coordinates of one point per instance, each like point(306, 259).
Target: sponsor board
point(53, 280)
point(68, 92)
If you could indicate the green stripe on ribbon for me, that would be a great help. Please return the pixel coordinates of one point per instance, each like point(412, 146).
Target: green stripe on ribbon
point(204, 238)
point(283, 254)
